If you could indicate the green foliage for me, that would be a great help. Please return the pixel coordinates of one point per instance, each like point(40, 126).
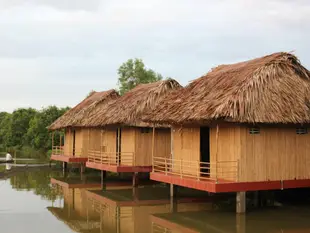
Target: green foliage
point(25, 130)
point(134, 72)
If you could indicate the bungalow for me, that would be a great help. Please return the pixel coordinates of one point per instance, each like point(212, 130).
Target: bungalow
point(77, 140)
point(124, 142)
point(241, 127)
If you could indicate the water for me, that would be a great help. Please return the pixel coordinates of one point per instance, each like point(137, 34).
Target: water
point(41, 200)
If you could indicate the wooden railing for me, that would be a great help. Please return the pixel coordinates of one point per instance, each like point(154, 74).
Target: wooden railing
point(221, 171)
point(58, 150)
point(112, 158)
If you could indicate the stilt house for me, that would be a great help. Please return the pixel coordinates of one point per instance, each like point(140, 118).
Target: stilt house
point(241, 127)
point(124, 142)
point(77, 139)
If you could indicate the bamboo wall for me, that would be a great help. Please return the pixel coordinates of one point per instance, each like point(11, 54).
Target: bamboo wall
point(274, 154)
point(133, 140)
point(102, 139)
point(143, 149)
point(67, 142)
point(128, 144)
point(186, 146)
point(226, 151)
point(78, 142)
point(81, 142)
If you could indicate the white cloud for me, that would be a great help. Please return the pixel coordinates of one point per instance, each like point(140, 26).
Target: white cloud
point(61, 49)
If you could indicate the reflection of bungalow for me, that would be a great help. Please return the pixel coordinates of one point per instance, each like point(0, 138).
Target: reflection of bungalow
point(275, 221)
point(78, 140)
point(130, 211)
point(76, 211)
point(241, 127)
point(123, 142)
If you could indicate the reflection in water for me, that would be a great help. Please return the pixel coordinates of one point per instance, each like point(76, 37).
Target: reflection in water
point(283, 220)
point(119, 208)
point(80, 205)
point(8, 166)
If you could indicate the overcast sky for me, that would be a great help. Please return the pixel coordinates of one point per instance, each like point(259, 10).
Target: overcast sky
point(53, 52)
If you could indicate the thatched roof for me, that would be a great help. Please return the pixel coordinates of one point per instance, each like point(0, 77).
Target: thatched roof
point(270, 89)
point(74, 116)
point(128, 109)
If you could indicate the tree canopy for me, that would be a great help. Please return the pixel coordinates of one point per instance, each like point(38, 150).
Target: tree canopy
point(133, 72)
point(27, 128)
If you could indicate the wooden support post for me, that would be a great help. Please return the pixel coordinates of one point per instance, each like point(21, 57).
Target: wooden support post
point(173, 205)
point(135, 179)
point(256, 199)
point(82, 168)
point(173, 190)
point(103, 177)
point(240, 223)
point(64, 168)
point(135, 193)
point(241, 202)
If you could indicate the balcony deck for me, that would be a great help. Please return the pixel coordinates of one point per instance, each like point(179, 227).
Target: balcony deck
point(217, 177)
point(114, 162)
point(58, 154)
point(118, 168)
point(68, 159)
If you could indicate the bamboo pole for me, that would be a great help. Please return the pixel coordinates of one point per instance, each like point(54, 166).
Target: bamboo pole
point(101, 145)
point(153, 144)
point(118, 145)
point(217, 136)
point(70, 143)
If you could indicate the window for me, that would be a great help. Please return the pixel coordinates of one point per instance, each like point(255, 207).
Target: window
point(145, 130)
point(301, 131)
point(254, 130)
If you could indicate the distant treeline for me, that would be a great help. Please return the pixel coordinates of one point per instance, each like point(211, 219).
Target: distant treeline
point(25, 131)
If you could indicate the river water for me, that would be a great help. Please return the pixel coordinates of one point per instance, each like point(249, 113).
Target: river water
point(41, 200)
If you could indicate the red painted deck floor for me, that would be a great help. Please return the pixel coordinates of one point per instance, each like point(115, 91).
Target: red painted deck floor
point(69, 159)
point(222, 187)
point(115, 168)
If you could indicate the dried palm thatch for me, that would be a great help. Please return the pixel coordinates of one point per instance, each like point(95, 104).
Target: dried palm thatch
point(128, 109)
point(270, 89)
point(74, 116)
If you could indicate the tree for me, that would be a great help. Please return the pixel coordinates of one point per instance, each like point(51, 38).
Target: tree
point(20, 124)
point(134, 72)
point(37, 134)
point(5, 129)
